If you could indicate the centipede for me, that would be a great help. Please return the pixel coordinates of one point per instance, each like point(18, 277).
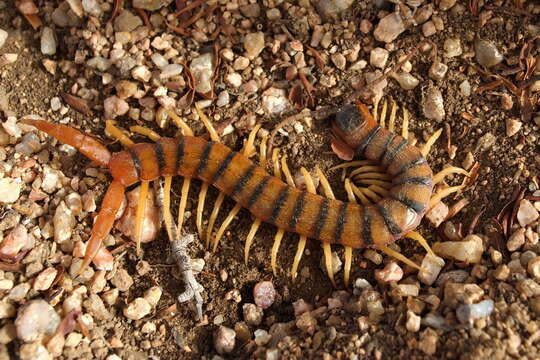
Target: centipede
point(401, 185)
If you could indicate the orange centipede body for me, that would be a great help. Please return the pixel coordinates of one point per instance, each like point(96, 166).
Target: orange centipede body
point(267, 197)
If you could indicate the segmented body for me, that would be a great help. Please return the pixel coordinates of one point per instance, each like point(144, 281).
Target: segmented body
point(270, 199)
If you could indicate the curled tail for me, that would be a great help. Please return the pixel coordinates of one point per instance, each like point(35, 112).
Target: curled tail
point(88, 146)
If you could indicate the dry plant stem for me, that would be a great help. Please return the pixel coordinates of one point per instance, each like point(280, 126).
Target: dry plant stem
point(179, 244)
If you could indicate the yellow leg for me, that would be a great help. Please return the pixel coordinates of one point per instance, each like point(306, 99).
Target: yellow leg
point(139, 217)
point(392, 120)
point(378, 190)
point(181, 124)
point(367, 169)
point(437, 178)
point(373, 175)
point(183, 202)
point(298, 256)
point(142, 130)
point(382, 120)
point(353, 164)
point(347, 266)
point(444, 193)
point(388, 251)
point(117, 133)
point(405, 127)
point(420, 239)
point(225, 224)
point(213, 217)
point(167, 217)
point(429, 143)
point(200, 208)
point(275, 248)
point(249, 239)
point(327, 249)
point(373, 196)
point(207, 124)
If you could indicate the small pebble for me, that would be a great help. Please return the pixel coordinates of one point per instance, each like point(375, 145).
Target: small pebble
point(92, 7)
point(253, 314)
point(274, 101)
point(34, 351)
point(45, 279)
point(391, 272)
point(437, 214)
point(533, 267)
point(254, 44)
point(378, 57)
point(95, 306)
point(264, 294)
point(306, 323)
point(137, 309)
point(224, 340)
point(413, 322)
point(438, 70)
point(262, 337)
point(127, 21)
point(434, 104)
point(452, 48)
point(469, 250)
point(468, 313)
point(465, 88)
point(389, 28)
point(7, 310)
point(487, 53)
point(15, 241)
point(3, 37)
point(35, 319)
point(153, 295)
point(10, 190)
point(527, 213)
point(202, 68)
point(300, 307)
point(48, 41)
point(516, 240)
point(433, 266)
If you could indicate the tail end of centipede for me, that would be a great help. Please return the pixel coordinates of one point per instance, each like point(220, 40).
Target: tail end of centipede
point(88, 146)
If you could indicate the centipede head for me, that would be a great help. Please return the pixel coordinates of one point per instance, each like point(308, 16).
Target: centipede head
point(349, 122)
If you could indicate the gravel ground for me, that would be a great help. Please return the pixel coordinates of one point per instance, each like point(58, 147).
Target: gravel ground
point(470, 68)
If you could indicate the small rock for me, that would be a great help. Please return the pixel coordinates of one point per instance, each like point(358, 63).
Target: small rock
point(413, 322)
point(428, 341)
point(446, 4)
point(452, 48)
point(150, 5)
point(137, 309)
point(18, 293)
point(125, 89)
point(94, 305)
point(224, 340)
point(122, 280)
point(153, 295)
point(10, 190)
point(438, 70)
point(437, 214)
point(527, 213)
point(378, 57)
point(533, 267)
point(51, 180)
point(92, 7)
point(45, 279)
point(15, 241)
point(241, 63)
point(141, 72)
point(274, 101)
point(516, 240)
point(433, 266)
point(151, 224)
point(391, 272)
point(34, 351)
point(115, 106)
point(7, 310)
point(389, 28)
point(48, 41)
point(254, 44)
point(455, 294)
point(223, 98)
point(63, 222)
point(469, 250)
point(3, 37)
point(35, 319)
point(465, 88)
point(487, 53)
point(262, 337)
point(468, 313)
point(148, 328)
point(332, 8)
point(300, 307)
point(406, 80)
point(264, 294)
point(307, 323)
point(234, 79)
point(127, 21)
point(202, 68)
point(339, 60)
point(253, 314)
point(434, 105)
